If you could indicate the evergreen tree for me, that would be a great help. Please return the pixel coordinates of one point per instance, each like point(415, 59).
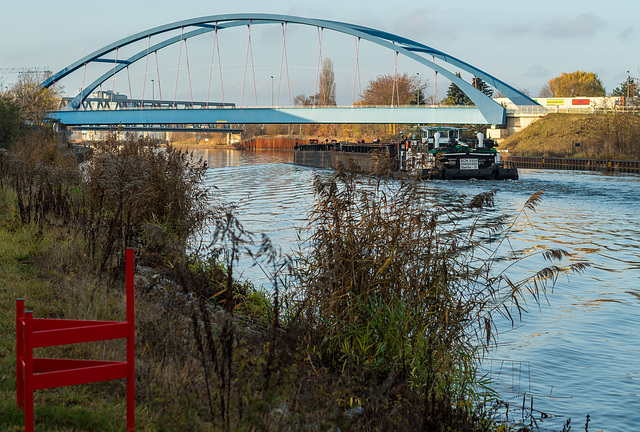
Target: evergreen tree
point(455, 96)
point(628, 87)
point(482, 86)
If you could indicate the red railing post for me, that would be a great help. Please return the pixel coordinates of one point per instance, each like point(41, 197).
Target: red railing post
point(42, 373)
point(130, 340)
point(28, 372)
point(20, 353)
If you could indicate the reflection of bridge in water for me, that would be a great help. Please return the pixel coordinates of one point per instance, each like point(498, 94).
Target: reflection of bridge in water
point(137, 110)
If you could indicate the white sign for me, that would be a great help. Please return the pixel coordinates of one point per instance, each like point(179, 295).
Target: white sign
point(468, 164)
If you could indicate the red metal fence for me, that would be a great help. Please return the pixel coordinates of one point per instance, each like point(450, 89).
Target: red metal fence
point(35, 373)
point(573, 164)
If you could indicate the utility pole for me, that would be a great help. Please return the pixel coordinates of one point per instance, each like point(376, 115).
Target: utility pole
point(272, 91)
point(418, 91)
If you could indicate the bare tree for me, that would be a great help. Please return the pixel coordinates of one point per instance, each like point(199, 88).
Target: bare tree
point(303, 100)
point(545, 91)
point(327, 84)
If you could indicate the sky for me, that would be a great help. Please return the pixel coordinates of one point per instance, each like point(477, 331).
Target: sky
point(522, 43)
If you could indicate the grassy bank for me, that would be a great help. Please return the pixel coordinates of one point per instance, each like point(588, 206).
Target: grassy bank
point(601, 136)
point(380, 323)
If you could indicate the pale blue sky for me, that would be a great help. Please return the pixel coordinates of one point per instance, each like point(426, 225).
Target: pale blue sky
point(522, 43)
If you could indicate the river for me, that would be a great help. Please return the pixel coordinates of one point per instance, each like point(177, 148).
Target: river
point(576, 354)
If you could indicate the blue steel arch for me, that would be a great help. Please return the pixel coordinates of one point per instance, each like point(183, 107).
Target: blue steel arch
point(400, 44)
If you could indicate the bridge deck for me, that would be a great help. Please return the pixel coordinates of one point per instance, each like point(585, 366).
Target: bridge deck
point(298, 115)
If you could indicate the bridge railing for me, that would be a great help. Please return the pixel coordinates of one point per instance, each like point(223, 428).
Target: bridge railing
point(527, 109)
point(96, 104)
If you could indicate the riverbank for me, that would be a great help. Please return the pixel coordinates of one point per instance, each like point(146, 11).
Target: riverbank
point(614, 136)
point(217, 354)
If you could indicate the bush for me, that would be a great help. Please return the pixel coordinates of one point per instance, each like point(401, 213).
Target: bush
point(135, 182)
point(10, 122)
point(398, 288)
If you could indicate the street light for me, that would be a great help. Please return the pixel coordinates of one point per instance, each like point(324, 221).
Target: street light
point(153, 93)
point(272, 90)
point(418, 90)
point(626, 102)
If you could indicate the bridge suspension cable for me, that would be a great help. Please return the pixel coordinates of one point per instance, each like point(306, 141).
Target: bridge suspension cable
point(175, 94)
point(246, 65)
point(113, 86)
point(213, 55)
point(158, 74)
point(186, 54)
point(146, 64)
point(317, 92)
point(284, 60)
point(197, 26)
point(356, 73)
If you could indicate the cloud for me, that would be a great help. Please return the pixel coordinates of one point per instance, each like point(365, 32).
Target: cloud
point(585, 25)
point(536, 71)
point(626, 33)
point(421, 25)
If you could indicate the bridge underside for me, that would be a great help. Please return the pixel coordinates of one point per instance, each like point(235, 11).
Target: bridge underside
point(159, 128)
point(326, 115)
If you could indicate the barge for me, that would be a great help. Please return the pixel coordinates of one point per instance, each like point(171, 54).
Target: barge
point(442, 153)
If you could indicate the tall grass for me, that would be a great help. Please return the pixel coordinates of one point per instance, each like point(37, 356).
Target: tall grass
point(378, 323)
point(399, 288)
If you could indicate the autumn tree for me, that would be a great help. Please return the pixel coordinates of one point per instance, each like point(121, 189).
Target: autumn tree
point(401, 90)
point(35, 102)
point(576, 84)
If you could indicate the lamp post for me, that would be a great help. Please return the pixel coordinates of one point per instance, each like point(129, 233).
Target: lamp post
point(626, 101)
point(418, 90)
point(271, 90)
point(153, 93)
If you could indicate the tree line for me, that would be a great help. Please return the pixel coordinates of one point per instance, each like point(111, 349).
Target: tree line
point(405, 89)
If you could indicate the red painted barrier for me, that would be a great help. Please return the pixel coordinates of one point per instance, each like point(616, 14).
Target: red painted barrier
point(41, 373)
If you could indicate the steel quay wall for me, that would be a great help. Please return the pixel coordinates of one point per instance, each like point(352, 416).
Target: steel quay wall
point(331, 159)
point(573, 164)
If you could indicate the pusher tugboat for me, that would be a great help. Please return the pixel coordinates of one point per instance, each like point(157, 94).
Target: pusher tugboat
point(444, 154)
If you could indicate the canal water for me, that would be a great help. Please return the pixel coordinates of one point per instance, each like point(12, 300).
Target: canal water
point(577, 354)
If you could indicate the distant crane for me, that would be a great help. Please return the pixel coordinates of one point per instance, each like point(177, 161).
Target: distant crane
point(16, 71)
point(19, 70)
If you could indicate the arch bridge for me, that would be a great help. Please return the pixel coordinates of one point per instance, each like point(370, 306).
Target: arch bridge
point(93, 106)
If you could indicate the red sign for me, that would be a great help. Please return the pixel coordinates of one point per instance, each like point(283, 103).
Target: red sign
point(580, 102)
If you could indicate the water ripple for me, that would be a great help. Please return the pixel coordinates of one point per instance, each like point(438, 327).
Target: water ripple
point(582, 347)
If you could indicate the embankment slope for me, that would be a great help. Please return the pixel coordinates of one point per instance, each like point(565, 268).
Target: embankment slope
point(593, 136)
